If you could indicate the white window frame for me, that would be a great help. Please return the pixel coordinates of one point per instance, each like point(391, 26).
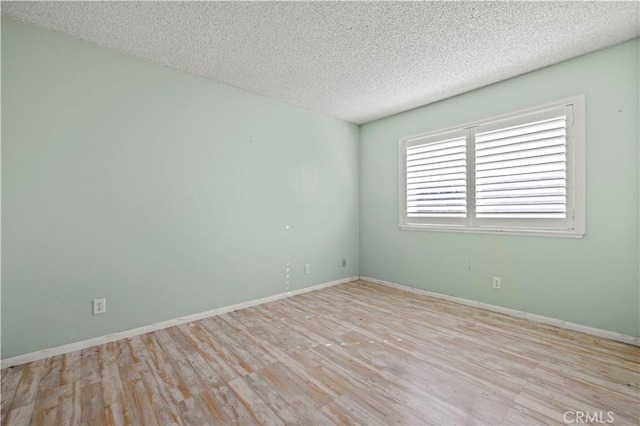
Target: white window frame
point(575, 145)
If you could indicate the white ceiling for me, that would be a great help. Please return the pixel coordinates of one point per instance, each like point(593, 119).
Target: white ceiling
point(357, 61)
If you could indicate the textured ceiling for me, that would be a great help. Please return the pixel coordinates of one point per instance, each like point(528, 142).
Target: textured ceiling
point(357, 61)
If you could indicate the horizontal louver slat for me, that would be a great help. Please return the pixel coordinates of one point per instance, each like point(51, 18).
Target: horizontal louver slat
point(437, 172)
point(436, 146)
point(521, 171)
point(435, 153)
point(548, 136)
point(440, 180)
point(559, 199)
point(507, 157)
point(537, 143)
point(439, 214)
point(424, 197)
point(531, 184)
point(520, 215)
point(436, 196)
point(524, 177)
point(533, 160)
point(436, 165)
point(535, 192)
point(446, 186)
point(436, 179)
point(519, 131)
point(437, 202)
point(414, 161)
point(522, 208)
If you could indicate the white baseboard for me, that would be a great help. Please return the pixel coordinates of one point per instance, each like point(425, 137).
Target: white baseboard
point(59, 350)
point(619, 337)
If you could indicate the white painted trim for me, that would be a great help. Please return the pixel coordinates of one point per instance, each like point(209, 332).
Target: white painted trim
point(59, 350)
point(492, 231)
point(606, 334)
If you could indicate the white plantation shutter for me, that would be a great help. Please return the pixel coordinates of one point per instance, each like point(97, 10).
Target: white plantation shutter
point(521, 169)
point(436, 177)
point(520, 173)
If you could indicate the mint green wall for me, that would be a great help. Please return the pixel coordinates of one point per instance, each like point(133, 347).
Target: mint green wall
point(165, 193)
point(592, 281)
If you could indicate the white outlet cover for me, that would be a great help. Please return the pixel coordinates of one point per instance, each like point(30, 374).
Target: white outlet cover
point(497, 283)
point(99, 306)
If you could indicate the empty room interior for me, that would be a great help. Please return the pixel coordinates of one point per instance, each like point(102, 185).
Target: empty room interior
point(315, 213)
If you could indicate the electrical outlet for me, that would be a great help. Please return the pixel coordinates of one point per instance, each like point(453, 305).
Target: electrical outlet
point(99, 306)
point(344, 263)
point(307, 268)
point(497, 283)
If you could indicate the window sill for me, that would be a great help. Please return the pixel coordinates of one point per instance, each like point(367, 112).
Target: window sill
point(495, 231)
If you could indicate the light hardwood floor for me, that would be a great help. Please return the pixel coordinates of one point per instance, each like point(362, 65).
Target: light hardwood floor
point(357, 353)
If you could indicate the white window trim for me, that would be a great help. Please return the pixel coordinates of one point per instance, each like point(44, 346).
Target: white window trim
point(575, 176)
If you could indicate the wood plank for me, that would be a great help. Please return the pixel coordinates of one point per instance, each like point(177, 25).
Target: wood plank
point(27, 389)
point(10, 378)
point(92, 405)
point(45, 409)
point(112, 390)
point(161, 365)
point(282, 407)
point(70, 368)
point(258, 408)
point(90, 368)
point(221, 402)
point(205, 346)
point(20, 416)
point(137, 400)
point(159, 397)
point(69, 404)
point(188, 377)
point(51, 372)
point(190, 412)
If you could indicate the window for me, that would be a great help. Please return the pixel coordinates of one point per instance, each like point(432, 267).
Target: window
point(521, 173)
